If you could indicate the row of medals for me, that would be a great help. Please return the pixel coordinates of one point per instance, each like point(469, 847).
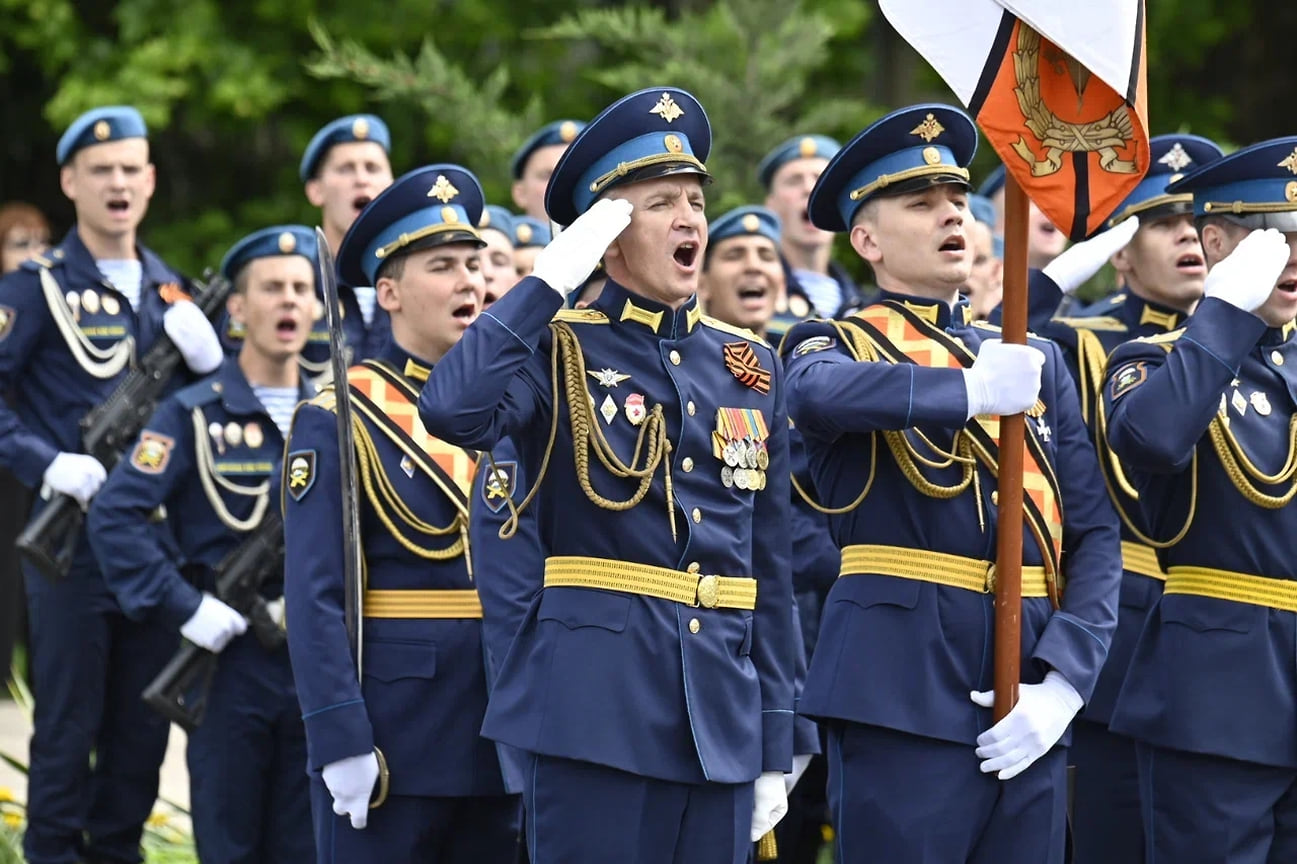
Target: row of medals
point(745, 465)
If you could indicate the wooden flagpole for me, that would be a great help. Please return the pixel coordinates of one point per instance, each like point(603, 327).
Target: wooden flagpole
point(1008, 548)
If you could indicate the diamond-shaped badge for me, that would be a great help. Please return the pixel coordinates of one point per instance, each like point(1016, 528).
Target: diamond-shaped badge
point(609, 409)
point(1239, 403)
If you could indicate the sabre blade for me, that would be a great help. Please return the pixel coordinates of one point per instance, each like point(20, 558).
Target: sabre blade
point(351, 562)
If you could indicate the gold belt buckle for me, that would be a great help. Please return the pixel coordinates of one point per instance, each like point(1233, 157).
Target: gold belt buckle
point(709, 590)
point(990, 578)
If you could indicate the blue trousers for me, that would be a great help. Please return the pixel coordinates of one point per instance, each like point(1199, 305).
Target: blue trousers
point(1106, 821)
point(906, 799)
point(89, 665)
point(1210, 810)
point(416, 830)
point(248, 789)
point(581, 813)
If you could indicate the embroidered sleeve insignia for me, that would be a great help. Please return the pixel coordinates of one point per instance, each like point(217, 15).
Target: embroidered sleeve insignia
point(299, 471)
point(152, 452)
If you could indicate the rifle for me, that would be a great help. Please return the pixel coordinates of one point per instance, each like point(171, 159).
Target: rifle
point(50, 540)
point(179, 692)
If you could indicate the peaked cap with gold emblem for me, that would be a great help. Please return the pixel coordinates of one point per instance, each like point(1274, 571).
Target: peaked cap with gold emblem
point(1255, 180)
point(1171, 157)
point(651, 133)
point(99, 126)
point(268, 243)
point(344, 130)
point(909, 149)
point(430, 206)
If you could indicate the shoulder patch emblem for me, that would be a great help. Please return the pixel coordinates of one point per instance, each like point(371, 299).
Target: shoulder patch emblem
point(1129, 377)
point(7, 317)
point(152, 452)
point(299, 473)
point(813, 344)
point(498, 485)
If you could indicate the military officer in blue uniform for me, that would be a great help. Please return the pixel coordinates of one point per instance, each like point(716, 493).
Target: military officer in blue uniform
point(1202, 419)
point(533, 163)
point(907, 630)
point(1162, 267)
point(651, 679)
point(208, 455)
point(496, 228)
point(815, 283)
point(71, 324)
point(407, 734)
point(530, 235)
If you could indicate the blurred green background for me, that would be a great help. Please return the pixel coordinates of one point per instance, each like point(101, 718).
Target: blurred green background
point(233, 89)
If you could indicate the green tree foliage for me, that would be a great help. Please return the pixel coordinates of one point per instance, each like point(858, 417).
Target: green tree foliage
point(233, 89)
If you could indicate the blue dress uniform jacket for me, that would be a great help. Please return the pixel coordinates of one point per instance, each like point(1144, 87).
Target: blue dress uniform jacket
point(911, 668)
point(639, 684)
point(51, 390)
point(1087, 340)
point(424, 690)
point(1211, 676)
point(211, 453)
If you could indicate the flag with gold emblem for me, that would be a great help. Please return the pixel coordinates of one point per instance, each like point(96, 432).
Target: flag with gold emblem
point(1059, 89)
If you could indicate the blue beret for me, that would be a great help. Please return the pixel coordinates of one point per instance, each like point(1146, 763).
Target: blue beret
point(983, 209)
point(99, 126)
point(344, 130)
point(1170, 158)
point(650, 133)
point(993, 183)
point(430, 206)
point(529, 231)
point(269, 243)
point(922, 144)
point(744, 222)
point(496, 217)
point(560, 132)
point(800, 147)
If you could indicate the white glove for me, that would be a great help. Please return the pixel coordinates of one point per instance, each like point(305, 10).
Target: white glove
point(1246, 276)
point(799, 768)
point(75, 474)
point(351, 782)
point(193, 334)
point(213, 624)
point(572, 255)
point(1033, 726)
point(769, 803)
point(1082, 260)
point(1004, 379)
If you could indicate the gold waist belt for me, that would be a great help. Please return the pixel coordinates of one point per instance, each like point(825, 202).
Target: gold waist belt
point(1141, 559)
point(691, 589)
point(456, 603)
point(953, 571)
point(1227, 585)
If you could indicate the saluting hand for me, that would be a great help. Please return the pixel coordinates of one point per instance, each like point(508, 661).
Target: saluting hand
point(1082, 260)
point(572, 256)
point(1245, 277)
